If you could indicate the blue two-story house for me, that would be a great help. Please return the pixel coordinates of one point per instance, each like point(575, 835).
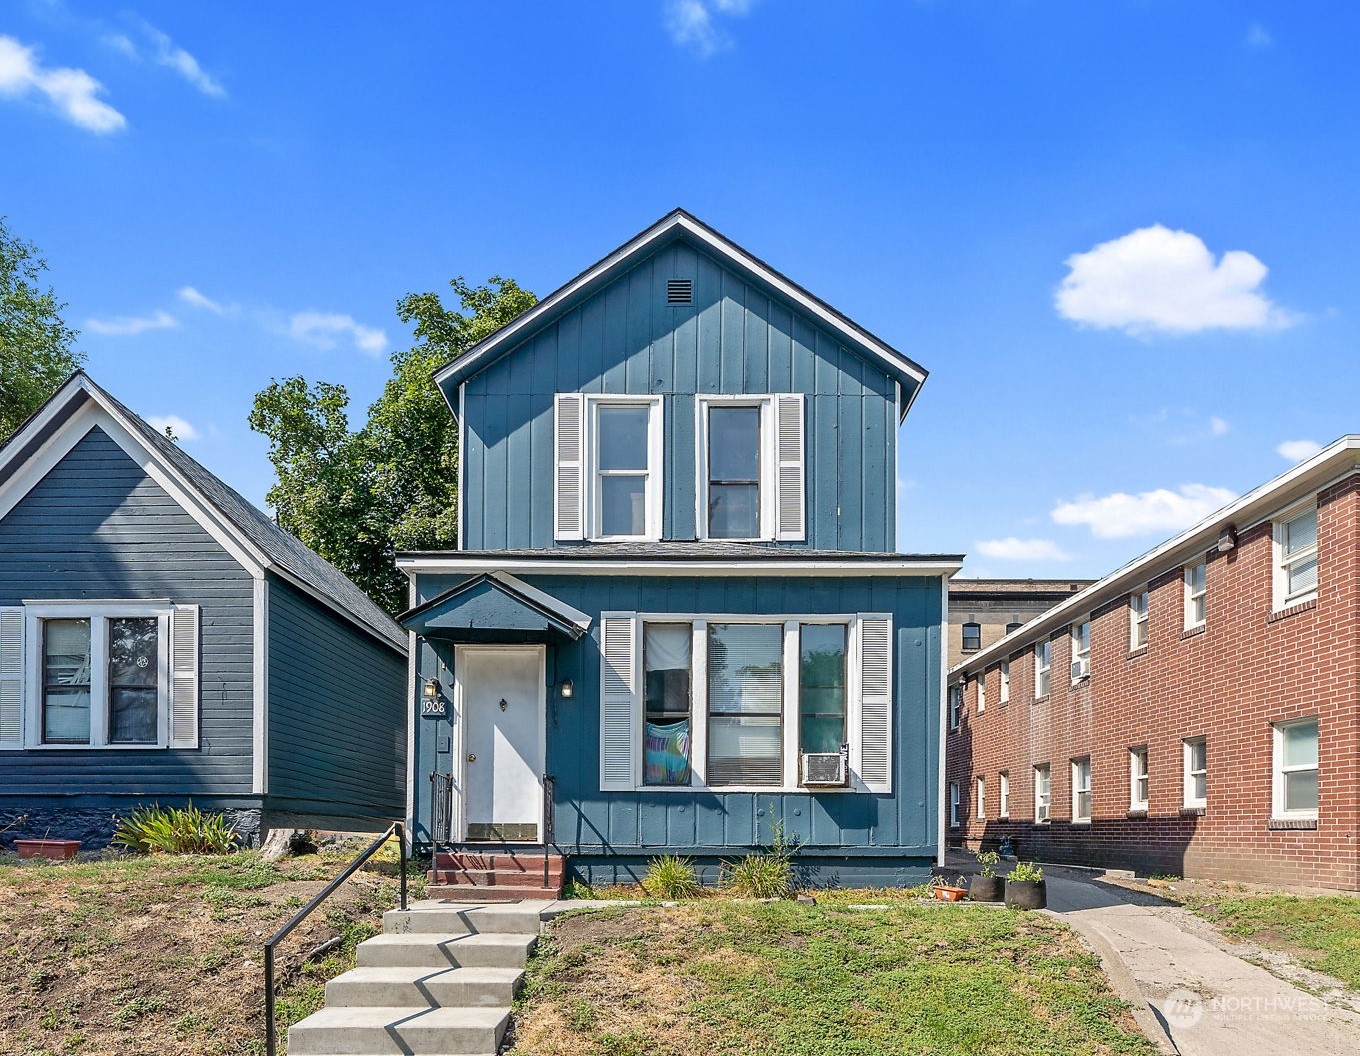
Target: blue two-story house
point(677, 619)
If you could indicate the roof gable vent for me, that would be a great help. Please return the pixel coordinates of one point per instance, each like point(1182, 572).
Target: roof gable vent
point(679, 291)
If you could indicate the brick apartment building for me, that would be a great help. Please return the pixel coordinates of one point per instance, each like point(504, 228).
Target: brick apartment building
point(1195, 713)
point(981, 611)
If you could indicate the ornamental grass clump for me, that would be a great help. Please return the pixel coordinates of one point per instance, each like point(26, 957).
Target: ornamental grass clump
point(672, 877)
point(175, 830)
point(764, 874)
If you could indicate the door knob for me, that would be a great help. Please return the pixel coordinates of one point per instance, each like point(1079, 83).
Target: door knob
point(472, 757)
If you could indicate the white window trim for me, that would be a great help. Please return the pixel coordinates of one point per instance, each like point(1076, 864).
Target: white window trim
point(769, 461)
point(1004, 694)
point(981, 785)
point(1278, 770)
point(953, 804)
point(1193, 802)
point(1081, 656)
point(1078, 818)
point(1043, 770)
point(1190, 622)
point(1005, 792)
point(955, 697)
point(98, 612)
point(1280, 598)
point(1141, 752)
point(1139, 620)
point(1044, 648)
point(655, 487)
point(981, 692)
point(789, 717)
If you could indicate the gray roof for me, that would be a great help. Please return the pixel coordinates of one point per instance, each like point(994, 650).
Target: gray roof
point(312, 573)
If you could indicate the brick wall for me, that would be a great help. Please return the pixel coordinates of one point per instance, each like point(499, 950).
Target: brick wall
point(1247, 669)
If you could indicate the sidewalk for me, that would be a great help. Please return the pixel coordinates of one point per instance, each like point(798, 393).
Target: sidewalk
point(1191, 996)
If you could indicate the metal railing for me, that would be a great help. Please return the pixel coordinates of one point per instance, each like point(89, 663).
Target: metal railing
point(549, 786)
point(397, 829)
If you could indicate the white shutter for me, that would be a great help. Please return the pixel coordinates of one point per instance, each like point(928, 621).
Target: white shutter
point(875, 707)
point(569, 485)
point(11, 678)
point(618, 700)
point(790, 474)
point(184, 677)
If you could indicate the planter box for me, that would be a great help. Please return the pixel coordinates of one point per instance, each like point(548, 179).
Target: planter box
point(57, 850)
point(950, 894)
point(1026, 894)
point(986, 888)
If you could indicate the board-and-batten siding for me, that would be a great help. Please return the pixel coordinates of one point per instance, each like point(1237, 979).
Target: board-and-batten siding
point(98, 527)
point(734, 338)
point(588, 820)
point(337, 729)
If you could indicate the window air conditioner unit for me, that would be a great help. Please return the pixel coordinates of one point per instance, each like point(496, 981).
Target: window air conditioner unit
point(825, 769)
point(1080, 669)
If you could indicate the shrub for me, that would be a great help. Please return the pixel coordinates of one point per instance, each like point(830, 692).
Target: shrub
point(175, 830)
point(988, 860)
point(1025, 871)
point(765, 874)
point(671, 877)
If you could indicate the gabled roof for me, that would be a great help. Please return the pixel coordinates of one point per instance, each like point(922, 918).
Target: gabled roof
point(242, 528)
point(1333, 463)
point(676, 225)
point(491, 605)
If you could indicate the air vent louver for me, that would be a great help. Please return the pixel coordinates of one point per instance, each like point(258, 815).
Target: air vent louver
point(679, 291)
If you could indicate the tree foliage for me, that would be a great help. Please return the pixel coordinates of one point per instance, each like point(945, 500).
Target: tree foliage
point(35, 344)
point(357, 496)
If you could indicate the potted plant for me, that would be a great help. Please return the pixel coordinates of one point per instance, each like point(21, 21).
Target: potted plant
point(57, 850)
point(944, 891)
point(986, 886)
point(1025, 887)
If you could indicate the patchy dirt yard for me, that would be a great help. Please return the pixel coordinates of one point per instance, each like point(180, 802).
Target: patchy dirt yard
point(160, 955)
point(718, 977)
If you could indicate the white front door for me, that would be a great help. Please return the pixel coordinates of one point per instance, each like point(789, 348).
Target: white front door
point(503, 699)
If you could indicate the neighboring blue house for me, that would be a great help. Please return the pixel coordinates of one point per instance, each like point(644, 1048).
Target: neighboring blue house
point(162, 639)
point(678, 619)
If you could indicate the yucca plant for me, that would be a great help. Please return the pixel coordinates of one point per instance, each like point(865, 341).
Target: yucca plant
point(671, 876)
point(175, 830)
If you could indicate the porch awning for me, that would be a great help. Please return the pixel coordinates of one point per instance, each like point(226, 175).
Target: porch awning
point(496, 607)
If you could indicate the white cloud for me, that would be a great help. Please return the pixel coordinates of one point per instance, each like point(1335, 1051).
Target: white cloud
point(1013, 549)
point(691, 23)
point(189, 295)
point(1156, 279)
point(1298, 450)
point(1218, 426)
point(165, 52)
point(1119, 515)
point(173, 422)
point(322, 328)
point(73, 92)
point(1257, 39)
point(126, 325)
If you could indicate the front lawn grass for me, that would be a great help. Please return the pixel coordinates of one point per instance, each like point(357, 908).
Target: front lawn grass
point(1321, 932)
point(719, 977)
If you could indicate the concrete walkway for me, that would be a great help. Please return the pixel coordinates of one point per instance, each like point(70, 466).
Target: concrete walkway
point(1190, 994)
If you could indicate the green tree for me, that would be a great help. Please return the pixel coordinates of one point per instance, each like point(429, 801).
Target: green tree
point(357, 496)
point(35, 344)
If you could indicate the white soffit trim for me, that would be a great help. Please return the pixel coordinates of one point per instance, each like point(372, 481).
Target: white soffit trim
point(76, 428)
point(675, 566)
point(552, 604)
point(1334, 463)
point(260, 658)
point(719, 245)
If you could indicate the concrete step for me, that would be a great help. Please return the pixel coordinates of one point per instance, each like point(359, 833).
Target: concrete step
point(431, 917)
point(413, 987)
point(498, 893)
point(445, 951)
point(393, 1031)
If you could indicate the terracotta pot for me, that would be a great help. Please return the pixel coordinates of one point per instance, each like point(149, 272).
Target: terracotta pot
point(950, 894)
point(57, 850)
point(1026, 894)
point(986, 888)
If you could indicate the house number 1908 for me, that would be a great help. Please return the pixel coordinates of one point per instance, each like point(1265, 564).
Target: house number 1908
point(433, 709)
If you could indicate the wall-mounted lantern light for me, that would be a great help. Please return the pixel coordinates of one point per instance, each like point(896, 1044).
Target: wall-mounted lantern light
point(566, 689)
point(431, 690)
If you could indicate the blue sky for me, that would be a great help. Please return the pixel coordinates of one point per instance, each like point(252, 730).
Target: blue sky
point(1119, 235)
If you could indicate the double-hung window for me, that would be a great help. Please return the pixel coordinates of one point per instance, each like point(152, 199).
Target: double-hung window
point(1296, 558)
point(745, 703)
point(1196, 593)
point(1196, 751)
point(955, 705)
point(1138, 779)
point(1296, 769)
point(1138, 619)
point(1043, 793)
point(1005, 780)
point(1081, 789)
point(751, 467)
point(99, 675)
point(953, 804)
point(1043, 656)
point(972, 637)
point(607, 479)
point(981, 798)
point(1004, 696)
point(1081, 650)
point(981, 691)
point(667, 657)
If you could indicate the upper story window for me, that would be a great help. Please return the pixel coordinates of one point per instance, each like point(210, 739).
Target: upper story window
point(972, 637)
point(751, 472)
point(1004, 696)
point(608, 477)
point(1014, 626)
point(1138, 619)
point(1296, 562)
point(1196, 593)
point(981, 691)
point(1081, 650)
point(1043, 655)
point(955, 705)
